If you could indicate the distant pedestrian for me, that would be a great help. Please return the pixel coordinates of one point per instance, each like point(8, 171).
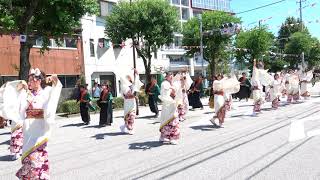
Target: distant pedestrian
point(195, 92)
point(105, 104)
point(96, 91)
point(84, 99)
point(153, 91)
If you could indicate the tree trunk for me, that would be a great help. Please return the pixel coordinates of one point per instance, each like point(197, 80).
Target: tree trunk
point(148, 75)
point(212, 65)
point(24, 60)
point(148, 69)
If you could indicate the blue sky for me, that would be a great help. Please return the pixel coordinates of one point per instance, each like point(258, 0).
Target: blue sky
point(276, 14)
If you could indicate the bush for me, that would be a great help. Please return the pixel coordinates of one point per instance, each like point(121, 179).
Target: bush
point(118, 103)
point(69, 106)
point(143, 98)
point(72, 107)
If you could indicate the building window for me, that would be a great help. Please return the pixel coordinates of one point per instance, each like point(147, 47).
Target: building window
point(185, 2)
point(4, 79)
point(68, 81)
point(63, 43)
point(155, 54)
point(59, 43)
point(185, 13)
point(71, 42)
point(177, 41)
point(92, 54)
point(176, 2)
point(223, 5)
point(106, 8)
point(104, 43)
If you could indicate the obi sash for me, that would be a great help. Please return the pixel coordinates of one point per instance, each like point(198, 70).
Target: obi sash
point(35, 114)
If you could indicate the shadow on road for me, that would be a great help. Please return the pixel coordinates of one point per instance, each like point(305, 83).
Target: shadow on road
point(246, 105)
point(145, 145)
point(5, 143)
point(73, 125)
point(93, 126)
point(267, 109)
point(6, 133)
point(6, 158)
point(204, 127)
point(101, 136)
point(155, 123)
point(240, 115)
point(150, 117)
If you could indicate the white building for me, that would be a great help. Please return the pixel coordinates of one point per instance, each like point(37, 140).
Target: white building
point(103, 62)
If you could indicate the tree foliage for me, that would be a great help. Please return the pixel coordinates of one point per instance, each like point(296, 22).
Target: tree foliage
point(215, 44)
point(253, 44)
point(41, 18)
point(148, 23)
point(289, 27)
point(303, 42)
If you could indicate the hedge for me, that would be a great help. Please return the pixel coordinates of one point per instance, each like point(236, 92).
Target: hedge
point(143, 99)
point(72, 107)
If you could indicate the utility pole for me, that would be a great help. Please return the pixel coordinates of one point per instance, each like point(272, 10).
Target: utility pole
point(301, 25)
point(201, 43)
point(133, 50)
point(301, 28)
point(259, 23)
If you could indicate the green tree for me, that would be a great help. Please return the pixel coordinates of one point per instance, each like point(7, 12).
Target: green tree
point(41, 18)
point(253, 44)
point(314, 56)
point(148, 23)
point(289, 27)
point(214, 43)
point(302, 42)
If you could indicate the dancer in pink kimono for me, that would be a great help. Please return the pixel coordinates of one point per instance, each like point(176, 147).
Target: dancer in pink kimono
point(182, 82)
point(36, 109)
point(129, 85)
point(169, 118)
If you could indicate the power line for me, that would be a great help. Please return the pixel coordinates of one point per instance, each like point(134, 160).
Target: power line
point(261, 7)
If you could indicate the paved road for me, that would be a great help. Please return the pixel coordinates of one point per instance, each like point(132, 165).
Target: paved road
point(247, 148)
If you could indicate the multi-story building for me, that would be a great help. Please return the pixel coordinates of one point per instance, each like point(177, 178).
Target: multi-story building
point(176, 53)
point(65, 60)
point(104, 62)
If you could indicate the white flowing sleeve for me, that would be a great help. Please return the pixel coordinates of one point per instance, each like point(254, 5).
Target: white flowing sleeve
point(53, 99)
point(165, 93)
point(137, 84)
point(188, 81)
point(11, 100)
point(231, 85)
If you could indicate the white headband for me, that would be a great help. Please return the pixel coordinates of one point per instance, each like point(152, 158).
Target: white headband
point(35, 71)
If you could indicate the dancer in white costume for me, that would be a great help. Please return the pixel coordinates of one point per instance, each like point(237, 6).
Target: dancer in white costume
point(169, 118)
point(292, 86)
point(16, 141)
point(305, 78)
point(276, 89)
point(256, 90)
point(222, 88)
point(182, 82)
point(260, 78)
point(129, 85)
point(36, 109)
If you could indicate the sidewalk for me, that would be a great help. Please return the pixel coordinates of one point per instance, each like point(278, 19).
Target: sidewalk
point(117, 112)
